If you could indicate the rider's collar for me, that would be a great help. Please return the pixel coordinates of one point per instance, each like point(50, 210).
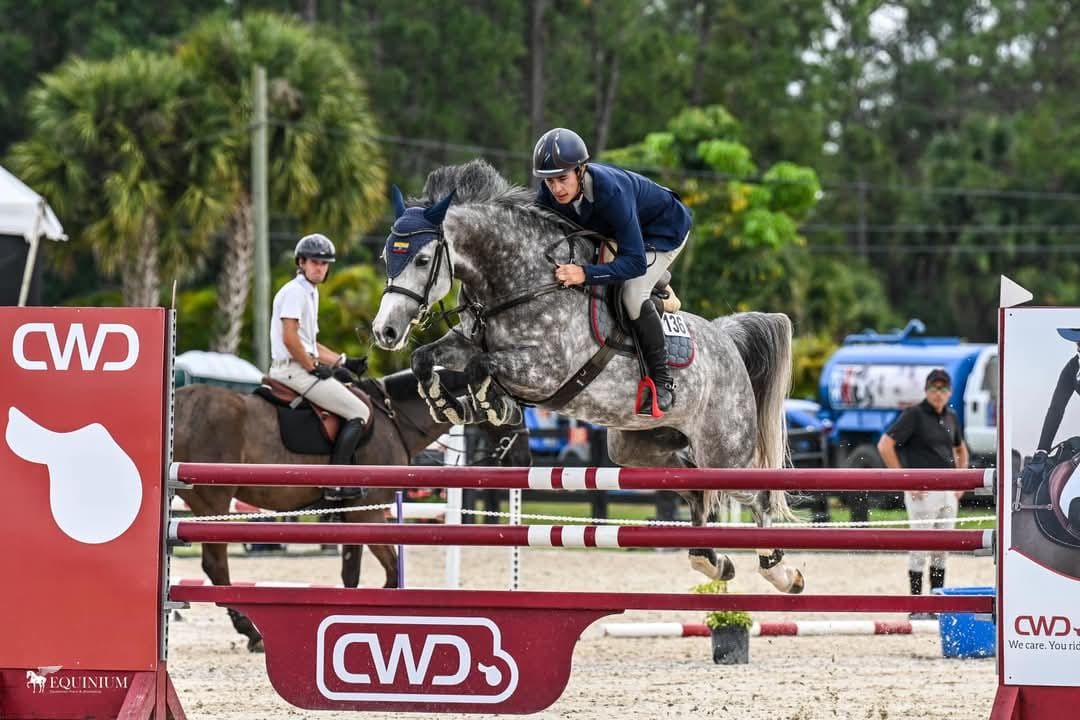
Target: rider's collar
point(304, 282)
point(586, 191)
point(409, 234)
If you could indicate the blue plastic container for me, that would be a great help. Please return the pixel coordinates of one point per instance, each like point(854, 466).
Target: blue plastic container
point(963, 635)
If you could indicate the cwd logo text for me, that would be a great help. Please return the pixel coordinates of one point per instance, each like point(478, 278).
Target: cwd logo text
point(37, 346)
point(396, 659)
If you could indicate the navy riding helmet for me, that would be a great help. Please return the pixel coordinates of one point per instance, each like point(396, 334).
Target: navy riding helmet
point(558, 151)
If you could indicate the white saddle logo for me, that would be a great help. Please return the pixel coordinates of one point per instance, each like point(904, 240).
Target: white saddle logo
point(94, 487)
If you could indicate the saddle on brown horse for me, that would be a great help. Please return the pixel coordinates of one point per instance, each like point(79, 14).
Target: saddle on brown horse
point(1052, 492)
point(305, 427)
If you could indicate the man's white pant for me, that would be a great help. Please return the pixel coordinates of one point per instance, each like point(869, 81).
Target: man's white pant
point(939, 505)
point(329, 394)
point(637, 290)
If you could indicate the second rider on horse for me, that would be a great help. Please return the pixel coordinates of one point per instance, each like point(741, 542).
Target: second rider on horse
point(647, 221)
point(302, 363)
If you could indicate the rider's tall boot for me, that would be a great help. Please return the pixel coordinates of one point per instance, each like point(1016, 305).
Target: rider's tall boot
point(650, 337)
point(344, 449)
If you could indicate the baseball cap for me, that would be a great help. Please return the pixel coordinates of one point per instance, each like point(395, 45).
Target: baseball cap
point(938, 376)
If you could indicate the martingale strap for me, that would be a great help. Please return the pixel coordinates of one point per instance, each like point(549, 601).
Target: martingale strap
point(586, 374)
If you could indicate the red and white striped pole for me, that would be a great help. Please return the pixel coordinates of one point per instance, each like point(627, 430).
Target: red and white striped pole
point(605, 536)
point(776, 628)
point(549, 478)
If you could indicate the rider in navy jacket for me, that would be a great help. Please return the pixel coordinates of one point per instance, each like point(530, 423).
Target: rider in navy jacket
point(647, 221)
point(633, 210)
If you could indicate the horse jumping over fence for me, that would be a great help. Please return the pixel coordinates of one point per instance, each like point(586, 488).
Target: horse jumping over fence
point(523, 337)
point(215, 424)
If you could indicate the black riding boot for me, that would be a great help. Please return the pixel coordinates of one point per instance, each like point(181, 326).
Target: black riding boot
point(937, 578)
point(650, 337)
point(344, 448)
point(915, 580)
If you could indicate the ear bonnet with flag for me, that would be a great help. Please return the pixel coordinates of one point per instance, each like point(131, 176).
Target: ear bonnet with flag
point(413, 229)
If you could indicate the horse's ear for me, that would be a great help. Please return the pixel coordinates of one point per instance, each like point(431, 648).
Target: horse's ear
point(399, 201)
point(437, 212)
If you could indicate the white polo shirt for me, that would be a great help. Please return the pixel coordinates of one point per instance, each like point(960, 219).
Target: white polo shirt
point(297, 299)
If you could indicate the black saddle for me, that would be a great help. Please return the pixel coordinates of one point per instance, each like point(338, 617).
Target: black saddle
point(306, 428)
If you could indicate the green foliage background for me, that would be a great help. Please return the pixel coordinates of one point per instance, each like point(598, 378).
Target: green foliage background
point(852, 164)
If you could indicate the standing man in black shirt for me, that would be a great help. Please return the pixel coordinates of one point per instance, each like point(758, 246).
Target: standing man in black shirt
point(928, 435)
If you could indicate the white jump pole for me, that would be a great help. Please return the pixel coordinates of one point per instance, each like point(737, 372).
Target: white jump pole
point(455, 455)
point(515, 552)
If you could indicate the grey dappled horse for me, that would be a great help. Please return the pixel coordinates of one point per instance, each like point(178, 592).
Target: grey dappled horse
point(523, 334)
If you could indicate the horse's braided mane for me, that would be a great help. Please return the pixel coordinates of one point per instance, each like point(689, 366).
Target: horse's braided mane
point(477, 182)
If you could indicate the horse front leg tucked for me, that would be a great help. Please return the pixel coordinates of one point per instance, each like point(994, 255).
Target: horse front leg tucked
point(489, 403)
point(450, 351)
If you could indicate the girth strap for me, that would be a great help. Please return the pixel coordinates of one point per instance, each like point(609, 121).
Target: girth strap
point(586, 374)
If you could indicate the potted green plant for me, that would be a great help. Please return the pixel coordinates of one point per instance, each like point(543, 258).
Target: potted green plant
point(730, 629)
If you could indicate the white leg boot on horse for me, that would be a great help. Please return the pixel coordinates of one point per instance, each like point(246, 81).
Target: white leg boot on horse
point(650, 337)
point(443, 406)
point(492, 406)
point(771, 565)
point(782, 576)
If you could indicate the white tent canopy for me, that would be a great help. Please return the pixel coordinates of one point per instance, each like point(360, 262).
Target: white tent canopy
point(24, 213)
point(218, 366)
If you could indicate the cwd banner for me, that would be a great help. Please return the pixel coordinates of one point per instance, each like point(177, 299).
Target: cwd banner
point(82, 432)
point(1039, 616)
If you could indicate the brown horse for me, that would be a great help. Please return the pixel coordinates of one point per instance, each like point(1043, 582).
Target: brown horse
point(218, 425)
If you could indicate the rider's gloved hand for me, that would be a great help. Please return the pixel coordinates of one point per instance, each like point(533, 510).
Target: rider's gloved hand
point(322, 371)
point(358, 366)
point(1033, 471)
point(345, 376)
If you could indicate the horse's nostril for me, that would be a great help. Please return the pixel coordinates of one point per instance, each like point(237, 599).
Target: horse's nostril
point(389, 333)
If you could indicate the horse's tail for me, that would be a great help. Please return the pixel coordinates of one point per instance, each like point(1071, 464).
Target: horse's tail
point(764, 342)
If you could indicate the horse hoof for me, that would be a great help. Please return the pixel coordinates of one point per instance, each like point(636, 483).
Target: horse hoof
point(727, 568)
point(705, 567)
point(255, 645)
point(784, 578)
point(798, 584)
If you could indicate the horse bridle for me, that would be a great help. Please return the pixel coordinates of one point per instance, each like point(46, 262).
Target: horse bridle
point(442, 250)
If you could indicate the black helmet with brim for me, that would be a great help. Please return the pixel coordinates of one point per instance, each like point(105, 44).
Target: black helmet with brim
point(558, 151)
point(315, 247)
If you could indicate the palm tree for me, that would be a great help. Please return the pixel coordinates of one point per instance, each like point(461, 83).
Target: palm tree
point(325, 165)
point(105, 150)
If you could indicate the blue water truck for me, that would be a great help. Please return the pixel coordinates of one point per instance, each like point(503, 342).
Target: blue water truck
point(872, 377)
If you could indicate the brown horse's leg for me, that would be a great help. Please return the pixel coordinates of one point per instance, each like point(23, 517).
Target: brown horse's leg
point(705, 560)
point(387, 557)
point(215, 564)
point(386, 554)
point(350, 565)
point(208, 500)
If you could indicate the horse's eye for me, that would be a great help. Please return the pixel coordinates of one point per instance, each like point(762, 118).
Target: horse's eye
point(422, 260)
